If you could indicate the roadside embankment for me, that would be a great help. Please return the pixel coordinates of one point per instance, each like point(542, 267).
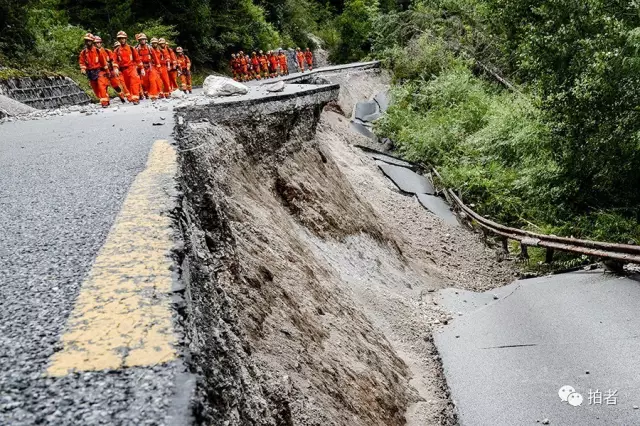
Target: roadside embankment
point(44, 92)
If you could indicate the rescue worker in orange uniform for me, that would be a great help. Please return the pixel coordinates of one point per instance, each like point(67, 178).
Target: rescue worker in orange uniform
point(255, 66)
point(119, 78)
point(273, 64)
point(143, 92)
point(300, 59)
point(249, 67)
point(150, 61)
point(244, 66)
point(113, 80)
point(157, 60)
point(264, 65)
point(173, 67)
point(93, 64)
point(233, 63)
point(308, 56)
point(127, 62)
point(284, 64)
point(184, 69)
point(165, 65)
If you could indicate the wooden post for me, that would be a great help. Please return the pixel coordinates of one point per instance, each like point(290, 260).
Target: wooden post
point(524, 253)
point(549, 257)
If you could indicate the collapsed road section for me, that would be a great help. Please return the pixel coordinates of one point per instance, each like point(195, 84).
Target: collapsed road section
point(308, 276)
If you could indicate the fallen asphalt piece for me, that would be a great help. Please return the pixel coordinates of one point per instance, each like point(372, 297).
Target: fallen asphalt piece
point(363, 130)
point(366, 108)
point(405, 179)
point(439, 207)
point(508, 354)
point(371, 117)
point(389, 159)
point(382, 99)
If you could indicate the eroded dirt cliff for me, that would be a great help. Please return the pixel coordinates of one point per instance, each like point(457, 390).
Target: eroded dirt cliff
point(308, 288)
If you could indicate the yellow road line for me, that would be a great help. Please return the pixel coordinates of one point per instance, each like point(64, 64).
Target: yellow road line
point(122, 316)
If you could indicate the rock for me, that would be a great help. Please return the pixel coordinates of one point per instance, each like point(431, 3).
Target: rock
point(178, 94)
point(163, 108)
point(215, 86)
point(11, 107)
point(635, 407)
point(276, 87)
point(545, 422)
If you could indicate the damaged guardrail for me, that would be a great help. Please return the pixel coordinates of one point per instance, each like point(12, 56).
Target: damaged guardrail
point(624, 253)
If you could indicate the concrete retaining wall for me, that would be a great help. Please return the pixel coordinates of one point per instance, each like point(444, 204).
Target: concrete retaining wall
point(44, 92)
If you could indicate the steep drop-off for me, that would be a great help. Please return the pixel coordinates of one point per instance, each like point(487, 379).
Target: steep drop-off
point(307, 303)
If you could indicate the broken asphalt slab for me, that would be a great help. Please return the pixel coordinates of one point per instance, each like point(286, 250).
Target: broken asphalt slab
point(405, 179)
point(366, 108)
point(382, 99)
point(363, 130)
point(389, 159)
point(439, 207)
point(505, 359)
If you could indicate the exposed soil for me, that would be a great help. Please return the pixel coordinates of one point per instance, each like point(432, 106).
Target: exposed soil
point(309, 276)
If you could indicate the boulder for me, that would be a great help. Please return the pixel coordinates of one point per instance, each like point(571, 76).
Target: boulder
point(277, 87)
point(216, 86)
point(178, 94)
point(11, 107)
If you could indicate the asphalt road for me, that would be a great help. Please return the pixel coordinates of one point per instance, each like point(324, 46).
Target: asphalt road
point(64, 179)
point(509, 352)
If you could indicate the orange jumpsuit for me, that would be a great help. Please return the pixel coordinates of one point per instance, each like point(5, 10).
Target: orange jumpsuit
point(173, 71)
point(308, 55)
point(244, 68)
point(116, 82)
point(273, 64)
point(128, 62)
point(300, 59)
point(94, 63)
point(184, 67)
point(234, 68)
point(284, 65)
point(255, 63)
point(264, 65)
point(149, 61)
point(165, 62)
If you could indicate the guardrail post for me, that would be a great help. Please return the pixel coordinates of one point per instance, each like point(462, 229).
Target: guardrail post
point(505, 245)
point(524, 253)
point(549, 256)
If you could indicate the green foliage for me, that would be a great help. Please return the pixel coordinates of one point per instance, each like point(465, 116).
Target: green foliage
point(355, 26)
point(15, 39)
point(564, 155)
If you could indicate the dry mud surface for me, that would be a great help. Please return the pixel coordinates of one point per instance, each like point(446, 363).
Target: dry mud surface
point(309, 276)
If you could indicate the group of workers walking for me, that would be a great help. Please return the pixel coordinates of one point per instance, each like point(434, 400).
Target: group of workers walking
point(151, 69)
point(260, 65)
point(134, 72)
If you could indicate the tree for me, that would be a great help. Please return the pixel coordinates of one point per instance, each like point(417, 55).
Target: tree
point(356, 26)
point(15, 38)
